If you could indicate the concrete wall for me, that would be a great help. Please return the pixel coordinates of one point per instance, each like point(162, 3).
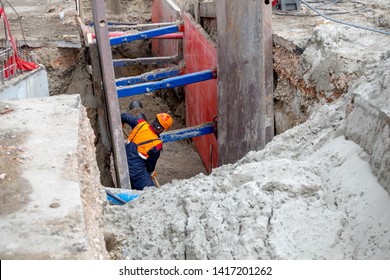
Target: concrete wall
point(27, 85)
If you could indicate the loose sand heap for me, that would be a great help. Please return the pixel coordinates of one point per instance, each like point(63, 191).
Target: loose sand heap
point(310, 194)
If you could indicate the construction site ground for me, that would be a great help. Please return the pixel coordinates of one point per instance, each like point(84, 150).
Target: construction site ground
point(310, 194)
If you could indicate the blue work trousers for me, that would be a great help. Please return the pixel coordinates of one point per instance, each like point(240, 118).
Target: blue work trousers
point(139, 176)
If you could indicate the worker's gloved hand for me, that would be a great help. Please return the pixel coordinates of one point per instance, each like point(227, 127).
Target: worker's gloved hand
point(153, 174)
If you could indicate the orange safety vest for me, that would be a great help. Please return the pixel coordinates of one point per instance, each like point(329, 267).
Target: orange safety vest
point(145, 138)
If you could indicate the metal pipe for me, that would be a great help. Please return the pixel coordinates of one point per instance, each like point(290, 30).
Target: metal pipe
point(188, 132)
point(146, 61)
point(146, 34)
point(167, 83)
point(150, 76)
point(177, 35)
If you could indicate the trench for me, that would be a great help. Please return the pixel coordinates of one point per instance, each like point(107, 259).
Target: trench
point(68, 74)
point(180, 159)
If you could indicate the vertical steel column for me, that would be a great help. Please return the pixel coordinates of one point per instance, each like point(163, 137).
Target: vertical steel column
point(245, 88)
point(103, 133)
point(105, 54)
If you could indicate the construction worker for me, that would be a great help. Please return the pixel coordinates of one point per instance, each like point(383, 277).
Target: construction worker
point(144, 147)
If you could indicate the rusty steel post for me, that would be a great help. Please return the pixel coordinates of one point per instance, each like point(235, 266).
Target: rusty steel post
point(245, 78)
point(108, 79)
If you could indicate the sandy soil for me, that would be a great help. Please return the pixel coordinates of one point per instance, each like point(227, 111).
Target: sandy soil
point(310, 194)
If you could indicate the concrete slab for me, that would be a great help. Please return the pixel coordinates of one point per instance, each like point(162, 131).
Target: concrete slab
point(26, 85)
point(48, 164)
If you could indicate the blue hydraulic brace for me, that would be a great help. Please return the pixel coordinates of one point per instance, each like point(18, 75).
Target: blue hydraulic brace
point(166, 83)
point(147, 77)
point(185, 133)
point(145, 61)
point(145, 34)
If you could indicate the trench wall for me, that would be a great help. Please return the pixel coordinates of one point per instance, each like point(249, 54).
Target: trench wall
point(165, 11)
point(200, 53)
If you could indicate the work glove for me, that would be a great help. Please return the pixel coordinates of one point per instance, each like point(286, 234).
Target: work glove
point(153, 174)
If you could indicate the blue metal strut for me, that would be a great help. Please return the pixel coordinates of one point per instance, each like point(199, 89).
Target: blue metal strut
point(145, 61)
point(166, 83)
point(146, 77)
point(145, 34)
point(185, 133)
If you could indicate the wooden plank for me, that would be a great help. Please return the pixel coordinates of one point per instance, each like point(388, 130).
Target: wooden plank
point(208, 10)
point(5, 111)
point(245, 103)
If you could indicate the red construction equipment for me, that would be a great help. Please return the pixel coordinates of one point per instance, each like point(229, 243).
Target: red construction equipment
point(14, 59)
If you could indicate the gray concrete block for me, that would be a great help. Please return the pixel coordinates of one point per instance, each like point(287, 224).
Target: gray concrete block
point(290, 5)
point(47, 215)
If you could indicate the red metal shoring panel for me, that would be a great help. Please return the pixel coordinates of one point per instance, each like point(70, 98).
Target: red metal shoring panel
point(161, 12)
point(201, 98)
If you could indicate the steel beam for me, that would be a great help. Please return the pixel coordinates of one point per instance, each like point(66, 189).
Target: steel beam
point(131, 25)
point(108, 79)
point(166, 83)
point(103, 133)
point(147, 77)
point(146, 34)
point(146, 61)
point(171, 36)
point(245, 85)
point(146, 26)
point(189, 132)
